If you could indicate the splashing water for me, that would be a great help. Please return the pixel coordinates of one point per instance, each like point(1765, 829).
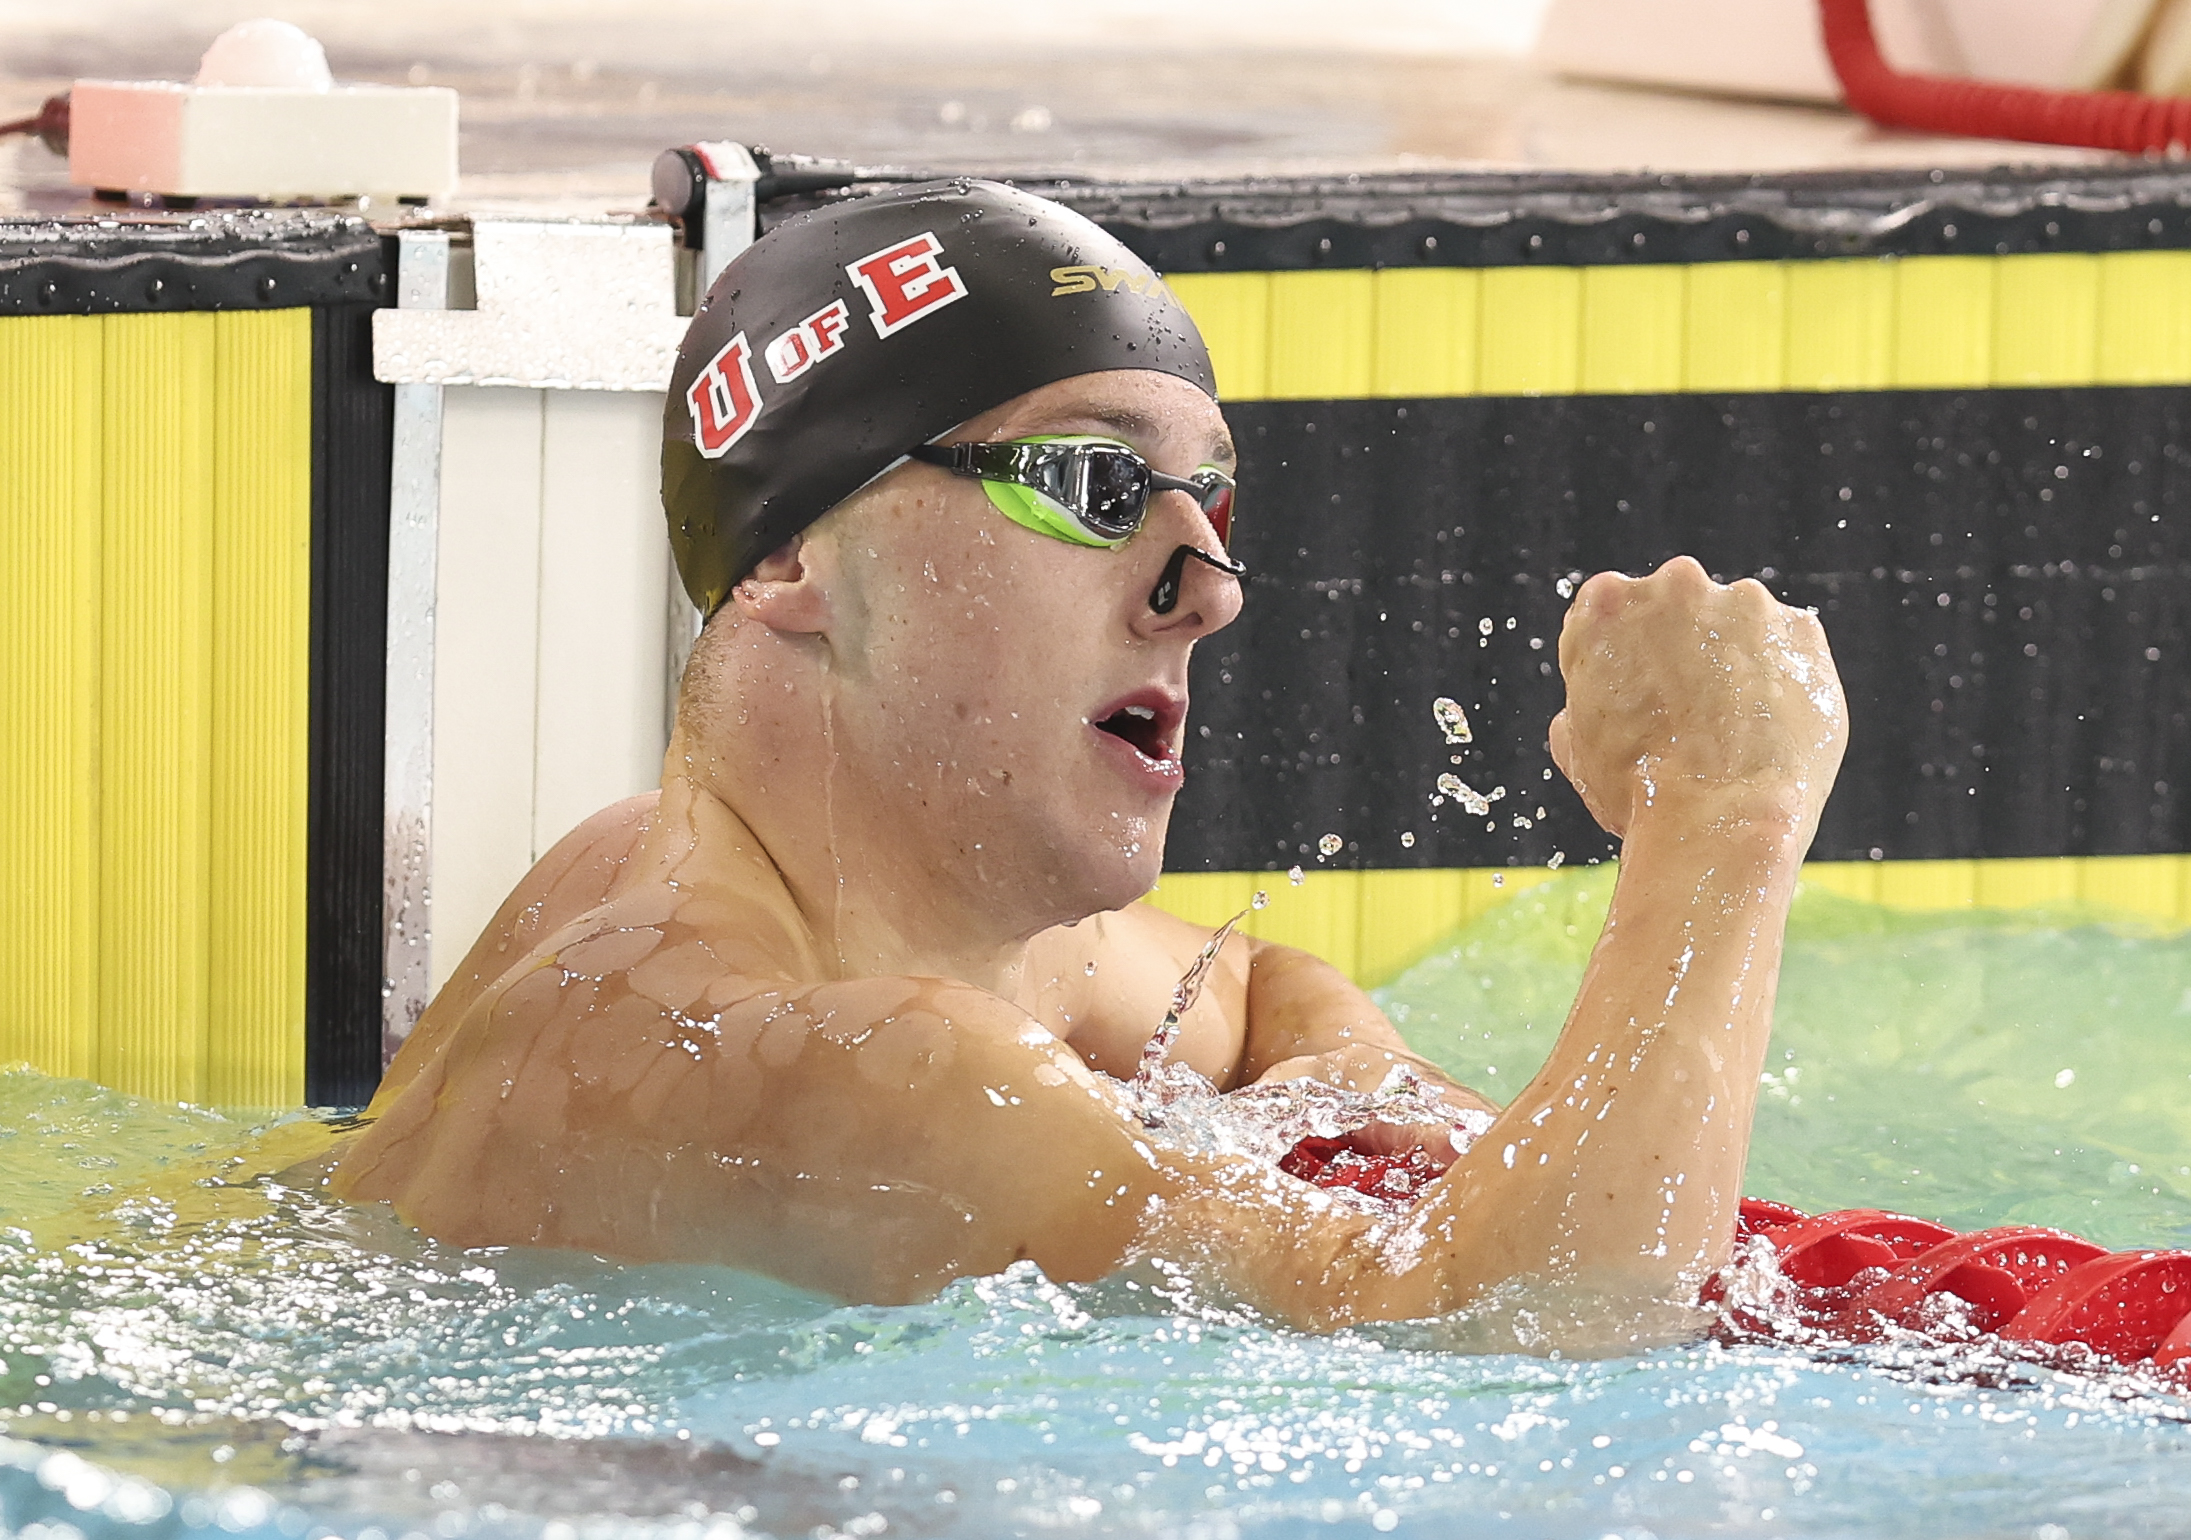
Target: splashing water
point(1266, 1120)
point(1153, 1070)
point(1477, 802)
point(1452, 720)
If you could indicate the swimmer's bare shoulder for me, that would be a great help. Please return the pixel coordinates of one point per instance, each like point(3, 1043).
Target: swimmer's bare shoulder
point(660, 1076)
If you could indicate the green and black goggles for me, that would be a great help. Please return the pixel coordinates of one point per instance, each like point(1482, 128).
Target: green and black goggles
point(1090, 491)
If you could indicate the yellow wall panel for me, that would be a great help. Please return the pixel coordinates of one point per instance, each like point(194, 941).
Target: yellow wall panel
point(1632, 331)
point(1943, 329)
point(1840, 325)
point(2158, 887)
point(1917, 323)
point(155, 563)
point(1928, 884)
point(1321, 335)
point(262, 566)
point(1322, 915)
point(50, 376)
point(1426, 324)
point(2144, 317)
point(155, 722)
point(1735, 326)
point(1531, 332)
point(1232, 311)
point(2014, 884)
point(2046, 320)
point(1846, 879)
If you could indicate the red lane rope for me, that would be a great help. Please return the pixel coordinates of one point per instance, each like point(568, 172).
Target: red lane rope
point(1938, 104)
point(1859, 1271)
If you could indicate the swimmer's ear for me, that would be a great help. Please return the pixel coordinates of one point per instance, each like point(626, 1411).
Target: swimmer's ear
point(784, 591)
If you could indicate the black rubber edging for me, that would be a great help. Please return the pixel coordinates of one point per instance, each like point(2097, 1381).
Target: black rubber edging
point(220, 260)
point(352, 444)
point(1444, 219)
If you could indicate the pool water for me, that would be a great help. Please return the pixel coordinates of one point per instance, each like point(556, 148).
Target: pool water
point(191, 1347)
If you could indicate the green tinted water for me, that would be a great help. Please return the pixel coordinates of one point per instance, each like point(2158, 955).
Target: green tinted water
point(1972, 1067)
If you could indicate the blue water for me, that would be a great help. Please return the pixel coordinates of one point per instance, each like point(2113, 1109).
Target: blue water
point(192, 1348)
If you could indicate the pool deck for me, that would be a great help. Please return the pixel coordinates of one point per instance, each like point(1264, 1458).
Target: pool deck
point(565, 106)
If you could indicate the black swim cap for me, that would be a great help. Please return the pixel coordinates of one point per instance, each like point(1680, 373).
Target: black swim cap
point(846, 336)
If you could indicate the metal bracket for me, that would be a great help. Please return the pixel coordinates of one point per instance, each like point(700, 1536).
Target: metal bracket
point(423, 282)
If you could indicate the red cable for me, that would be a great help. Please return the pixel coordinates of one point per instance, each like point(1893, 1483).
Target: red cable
point(1938, 104)
point(50, 124)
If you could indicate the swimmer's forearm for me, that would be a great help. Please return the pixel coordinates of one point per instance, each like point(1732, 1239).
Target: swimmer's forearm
point(1623, 1158)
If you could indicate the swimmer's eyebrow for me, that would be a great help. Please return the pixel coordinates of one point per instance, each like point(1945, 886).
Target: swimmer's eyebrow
point(1129, 423)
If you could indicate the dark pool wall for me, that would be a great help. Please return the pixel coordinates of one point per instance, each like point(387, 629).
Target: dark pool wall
point(2002, 573)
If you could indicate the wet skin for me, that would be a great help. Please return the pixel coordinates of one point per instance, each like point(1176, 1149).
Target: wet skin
point(847, 1003)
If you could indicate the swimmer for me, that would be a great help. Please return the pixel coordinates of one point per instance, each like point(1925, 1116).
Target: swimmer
point(852, 1000)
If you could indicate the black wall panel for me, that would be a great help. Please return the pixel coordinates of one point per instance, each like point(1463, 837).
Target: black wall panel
point(2004, 573)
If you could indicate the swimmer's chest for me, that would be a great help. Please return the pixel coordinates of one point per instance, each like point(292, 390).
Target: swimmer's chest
point(1108, 1012)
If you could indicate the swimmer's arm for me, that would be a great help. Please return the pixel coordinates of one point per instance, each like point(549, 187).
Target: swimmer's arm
point(1703, 726)
point(1307, 1019)
point(1621, 1163)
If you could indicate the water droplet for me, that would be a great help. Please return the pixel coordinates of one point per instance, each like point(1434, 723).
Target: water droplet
point(1468, 796)
point(1565, 588)
point(1484, 625)
point(1498, 879)
point(1260, 901)
point(1090, 969)
point(2065, 1080)
point(1407, 841)
point(1293, 875)
point(1559, 859)
point(1330, 845)
point(1452, 720)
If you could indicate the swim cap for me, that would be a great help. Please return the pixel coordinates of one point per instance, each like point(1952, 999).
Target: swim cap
point(850, 334)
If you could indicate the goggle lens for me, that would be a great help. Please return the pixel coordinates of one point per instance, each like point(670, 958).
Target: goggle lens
point(1116, 493)
point(1216, 503)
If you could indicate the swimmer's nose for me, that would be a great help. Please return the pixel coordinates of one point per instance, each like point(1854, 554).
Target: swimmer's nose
point(1164, 598)
point(1195, 593)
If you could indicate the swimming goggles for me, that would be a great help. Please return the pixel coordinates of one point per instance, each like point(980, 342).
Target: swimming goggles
point(1088, 491)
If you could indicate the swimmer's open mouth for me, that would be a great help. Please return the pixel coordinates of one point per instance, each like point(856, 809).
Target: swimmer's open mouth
point(1149, 720)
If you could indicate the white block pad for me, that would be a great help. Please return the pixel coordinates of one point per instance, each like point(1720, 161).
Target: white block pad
point(263, 141)
point(562, 306)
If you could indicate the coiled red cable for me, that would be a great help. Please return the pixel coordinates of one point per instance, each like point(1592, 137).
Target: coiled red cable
point(1938, 104)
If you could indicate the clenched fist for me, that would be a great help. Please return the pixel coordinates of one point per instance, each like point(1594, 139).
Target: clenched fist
point(1693, 700)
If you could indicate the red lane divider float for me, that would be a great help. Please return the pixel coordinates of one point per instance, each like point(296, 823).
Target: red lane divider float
point(1336, 1163)
point(1860, 1272)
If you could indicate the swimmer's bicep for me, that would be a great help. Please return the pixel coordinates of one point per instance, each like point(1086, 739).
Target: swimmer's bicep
point(1299, 1005)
